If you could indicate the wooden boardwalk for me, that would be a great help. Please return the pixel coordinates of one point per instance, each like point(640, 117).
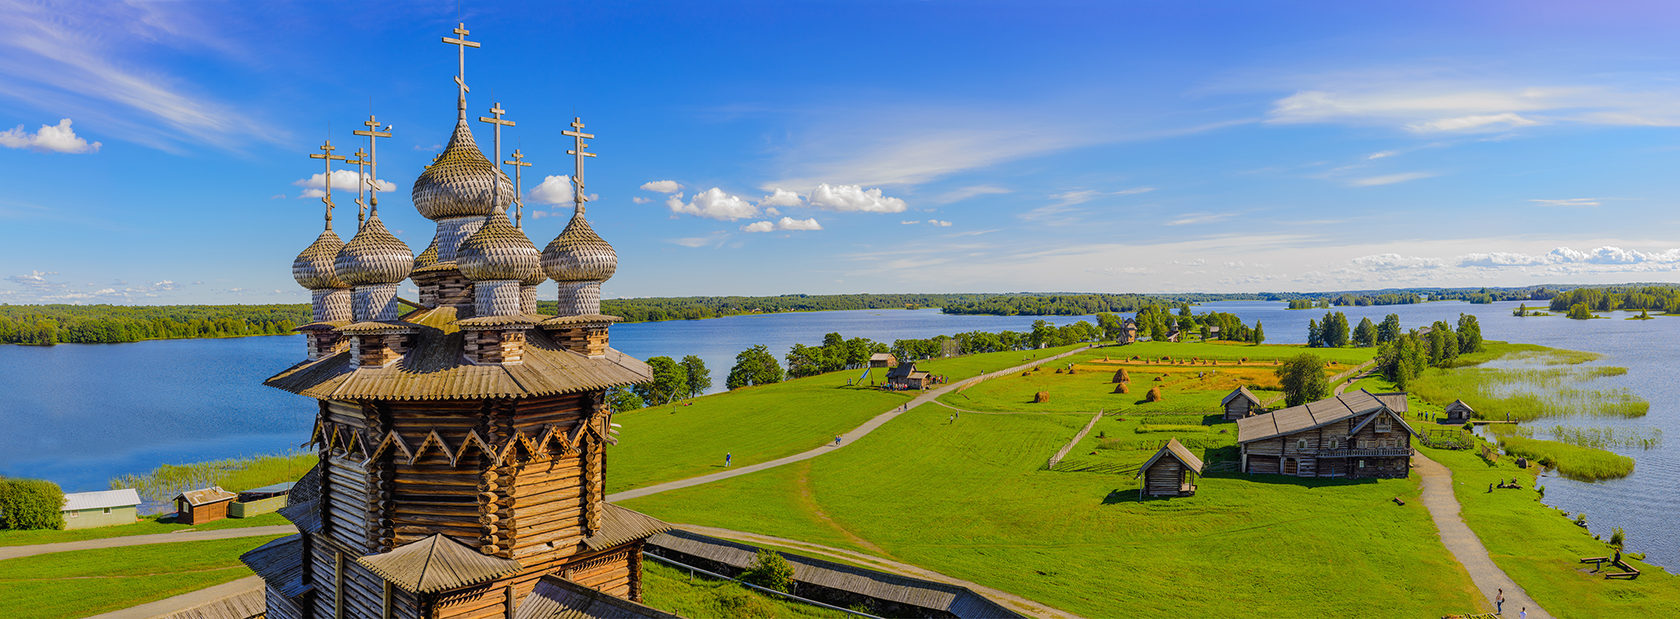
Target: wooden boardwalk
point(1068, 447)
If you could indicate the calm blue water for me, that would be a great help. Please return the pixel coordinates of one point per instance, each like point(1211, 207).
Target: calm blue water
point(82, 414)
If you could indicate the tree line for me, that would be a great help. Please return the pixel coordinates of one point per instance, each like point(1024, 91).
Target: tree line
point(1612, 298)
point(1406, 356)
point(46, 325)
point(1158, 322)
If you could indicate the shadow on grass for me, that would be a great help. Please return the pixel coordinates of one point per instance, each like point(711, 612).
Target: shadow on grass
point(1304, 482)
point(1121, 496)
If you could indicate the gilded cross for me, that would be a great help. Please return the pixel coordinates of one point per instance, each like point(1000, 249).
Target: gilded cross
point(578, 136)
point(361, 162)
point(461, 45)
point(518, 162)
point(327, 158)
point(495, 119)
point(372, 177)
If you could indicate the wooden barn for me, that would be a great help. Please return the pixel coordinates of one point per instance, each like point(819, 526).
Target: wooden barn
point(1171, 471)
point(1458, 413)
point(1173, 335)
point(202, 505)
point(1355, 434)
point(882, 360)
point(906, 376)
point(1128, 331)
point(1241, 403)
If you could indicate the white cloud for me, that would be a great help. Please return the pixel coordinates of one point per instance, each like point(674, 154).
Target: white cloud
point(1475, 121)
point(1081, 196)
point(33, 279)
point(662, 186)
point(164, 285)
point(781, 197)
point(786, 223)
point(1435, 101)
point(1394, 262)
point(58, 138)
point(640, 200)
point(1199, 218)
point(552, 190)
point(910, 222)
point(772, 211)
point(964, 193)
point(1389, 179)
point(713, 203)
point(346, 181)
point(1567, 202)
point(939, 223)
point(1381, 154)
point(1604, 256)
point(854, 198)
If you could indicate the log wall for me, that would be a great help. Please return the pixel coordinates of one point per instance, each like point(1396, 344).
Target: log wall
point(1164, 477)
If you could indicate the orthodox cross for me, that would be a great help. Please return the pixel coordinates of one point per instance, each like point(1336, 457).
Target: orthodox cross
point(327, 157)
point(578, 136)
point(361, 162)
point(518, 162)
point(372, 178)
point(495, 120)
point(461, 45)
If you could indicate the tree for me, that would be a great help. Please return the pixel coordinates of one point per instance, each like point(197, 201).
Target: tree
point(1365, 335)
point(1315, 334)
point(1469, 334)
point(31, 504)
point(1389, 330)
point(1112, 325)
point(1443, 345)
point(621, 399)
point(1334, 330)
point(1580, 311)
point(804, 361)
point(670, 381)
point(1258, 336)
point(699, 378)
point(1522, 310)
point(754, 366)
point(770, 570)
point(1302, 377)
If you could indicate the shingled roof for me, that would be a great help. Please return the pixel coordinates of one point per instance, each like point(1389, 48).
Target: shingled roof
point(619, 525)
point(1241, 392)
point(306, 516)
point(280, 564)
point(1307, 416)
point(436, 369)
point(436, 564)
point(558, 598)
point(1394, 401)
point(1177, 451)
point(206, 496)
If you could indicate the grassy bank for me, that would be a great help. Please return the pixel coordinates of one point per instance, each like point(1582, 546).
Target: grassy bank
point(87, 582)
point(970, 499)
point(1572, 461)
point(148, 525)
point(673, 591)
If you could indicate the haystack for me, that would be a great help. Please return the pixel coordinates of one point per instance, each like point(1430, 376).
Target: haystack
point(1122, 388)
point(1041, 397)
point(1120, 376)
point(1154, 395)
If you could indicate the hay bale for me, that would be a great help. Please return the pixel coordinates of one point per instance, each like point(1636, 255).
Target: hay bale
point(1158, 378)
point(1121, 376)
point(1041, 397)
point(1026, 372)
point(1154, 395)
point(1121, 388)
point(1058, 370)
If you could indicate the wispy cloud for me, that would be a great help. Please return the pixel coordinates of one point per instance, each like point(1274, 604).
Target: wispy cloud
point(964, 193)
point(785, 224)
point(1435, 101)
point(1199, 218)
point(1573, 202)
point(1389, 179)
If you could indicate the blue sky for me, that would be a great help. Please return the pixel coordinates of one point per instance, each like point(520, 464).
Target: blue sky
point(156, 152)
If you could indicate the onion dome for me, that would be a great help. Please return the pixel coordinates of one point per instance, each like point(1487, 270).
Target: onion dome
point(579, 255)
point(427, 258)
point(461, 182)
point(313, 269)
point(374, 256)
point(498, 251)
point(537, 276)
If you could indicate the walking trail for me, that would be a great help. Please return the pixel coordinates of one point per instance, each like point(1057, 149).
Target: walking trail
point(1005, 598)
point(13, 552)
point(192, 599)
point(1443, 508)
point(845, 439)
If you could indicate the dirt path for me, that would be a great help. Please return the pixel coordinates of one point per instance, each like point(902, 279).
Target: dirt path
point(808, 499)
point(192, 599)
point(1443, 507)
point(1016, 602)
point(1368, 365)
point(1065, 448)
point(13, 552)
point(845, 439)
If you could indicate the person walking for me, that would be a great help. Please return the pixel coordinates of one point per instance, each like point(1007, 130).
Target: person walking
point(1498, 600)
point(1523, 614)
point(836, 440)
point(726, 458)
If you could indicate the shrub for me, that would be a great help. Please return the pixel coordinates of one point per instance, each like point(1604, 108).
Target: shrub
point(771, 571)
point(1581, 520)
point(1617, 537)
point(31, 504)
point(1572, 461)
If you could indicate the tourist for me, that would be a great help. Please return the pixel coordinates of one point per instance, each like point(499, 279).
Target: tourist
point(1498, 600)
point(1523, 614)
point(836, 440)
point(726, 458)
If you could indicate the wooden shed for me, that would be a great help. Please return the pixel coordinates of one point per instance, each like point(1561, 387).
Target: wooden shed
point(1170, 471)
point(86, 510)
point(1128, 331)
point(882, 360)
point(906, 376)
point(1458, 412)
point(1355, 434)
point(1241, 403)
point(202, 505)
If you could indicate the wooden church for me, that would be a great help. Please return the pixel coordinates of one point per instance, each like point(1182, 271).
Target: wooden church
point(461, 435)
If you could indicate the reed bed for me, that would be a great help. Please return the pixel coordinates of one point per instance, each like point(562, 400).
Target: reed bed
point(1606, 437)
point(1572, 461)
point(1526, 394)
point(167, 481)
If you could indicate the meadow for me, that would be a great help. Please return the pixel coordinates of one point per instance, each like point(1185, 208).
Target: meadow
point(674, 591)
point(148, 525)
point(970, 499)
point(1572, 461)
point(85, 582)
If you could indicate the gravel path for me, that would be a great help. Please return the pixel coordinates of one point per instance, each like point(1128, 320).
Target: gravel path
point(1443, 507)
point(13, 552)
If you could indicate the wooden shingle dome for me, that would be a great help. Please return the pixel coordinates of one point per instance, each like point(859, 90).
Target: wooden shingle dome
point(498, 251)
point(373, 256)
point(461, 182)
point(313, 268)
point(579, 255)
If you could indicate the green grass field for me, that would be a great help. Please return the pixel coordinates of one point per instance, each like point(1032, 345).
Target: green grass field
point(970, 500)
point(147, 526)
point(86, 582)
point(672, 590)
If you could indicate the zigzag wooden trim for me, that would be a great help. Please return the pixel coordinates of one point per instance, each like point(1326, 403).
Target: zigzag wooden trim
point(391, 439)
point(432, 438)
point(316, 436)
point(354, 444)
point(471, 439)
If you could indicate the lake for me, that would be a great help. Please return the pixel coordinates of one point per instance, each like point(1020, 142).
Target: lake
point(82, 414)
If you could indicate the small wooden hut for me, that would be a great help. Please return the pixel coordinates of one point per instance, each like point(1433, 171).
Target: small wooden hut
point(882, 360)
point(1241, 403)
point(1458, 412)
point(202, 505)
point(1171, 471)
point(906, 376)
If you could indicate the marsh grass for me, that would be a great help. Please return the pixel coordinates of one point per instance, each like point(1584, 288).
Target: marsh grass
point(1525, 394)
point(1572, 461)
point(164, 483)
point(1604, 437)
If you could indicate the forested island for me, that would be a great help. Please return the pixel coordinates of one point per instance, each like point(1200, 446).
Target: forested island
point(102, 324)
